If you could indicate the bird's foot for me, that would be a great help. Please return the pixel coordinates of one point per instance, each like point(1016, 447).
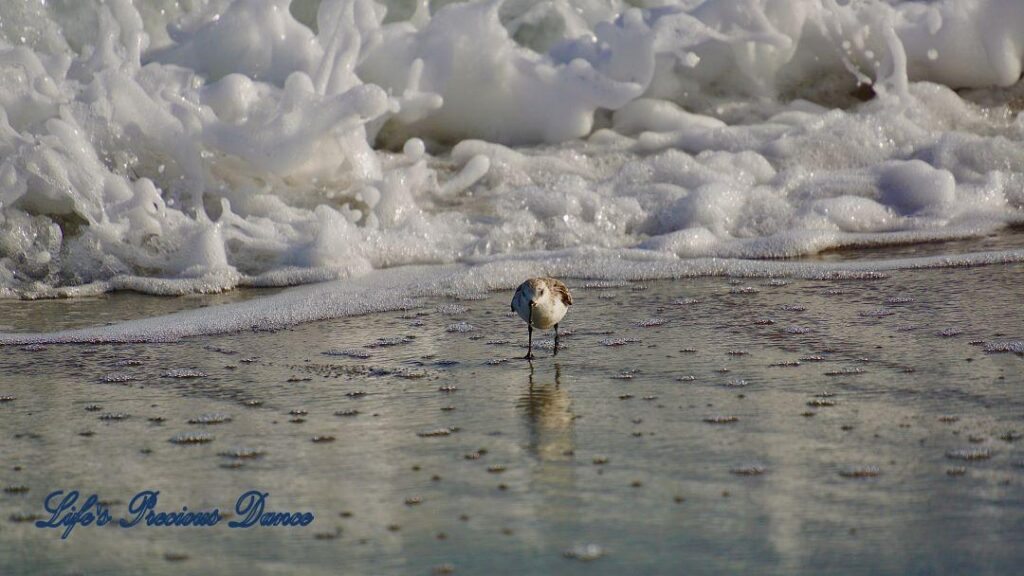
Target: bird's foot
point(529, 356)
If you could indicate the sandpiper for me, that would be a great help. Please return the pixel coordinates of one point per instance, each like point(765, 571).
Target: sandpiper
point(541, 302)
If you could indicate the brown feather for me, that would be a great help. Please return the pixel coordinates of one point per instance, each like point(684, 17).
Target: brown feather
point(559, 287)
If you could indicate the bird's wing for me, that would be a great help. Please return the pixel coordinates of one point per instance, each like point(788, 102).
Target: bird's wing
point(519, 290)
point(561, 289)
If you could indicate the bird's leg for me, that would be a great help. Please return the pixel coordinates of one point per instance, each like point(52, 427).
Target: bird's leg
point(529, 349)
point(529, 327)
point(556, 341)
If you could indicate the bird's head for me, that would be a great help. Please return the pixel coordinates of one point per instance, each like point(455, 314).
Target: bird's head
point(536, 290)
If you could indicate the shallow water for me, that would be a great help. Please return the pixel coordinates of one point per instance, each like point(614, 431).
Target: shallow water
point(51, 314)
point(625, 440)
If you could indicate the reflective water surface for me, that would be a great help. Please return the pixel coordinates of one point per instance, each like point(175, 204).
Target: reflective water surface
point(702, 426)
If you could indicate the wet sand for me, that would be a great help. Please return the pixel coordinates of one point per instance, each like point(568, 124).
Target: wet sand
point(711, 425)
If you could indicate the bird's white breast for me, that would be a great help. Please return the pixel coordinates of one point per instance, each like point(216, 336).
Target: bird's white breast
point(549, 313)
point(546, 313)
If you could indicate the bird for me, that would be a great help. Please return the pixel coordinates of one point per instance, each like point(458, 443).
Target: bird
point(541, 303)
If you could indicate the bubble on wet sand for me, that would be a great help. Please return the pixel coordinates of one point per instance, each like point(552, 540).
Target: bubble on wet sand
point(721, 419)
point(437, 432)
point(116, 378)
point(184, 373)
point(584, 552)
point(603, 284)
point(969, 454)
point(209, 419)
point(860, 471)
point(460, 328)
point(389, 341)
point(686, 301)
point(892, 300)
point(845, 372)
point(349, 353)
point(189, 438)
point(546, 344)
point(1011, 436)
point(749, 470)
point(613, 342)
point(113, 416)
point(451, 309)
point(651, 322)
point(243, 453)
point(996, 347)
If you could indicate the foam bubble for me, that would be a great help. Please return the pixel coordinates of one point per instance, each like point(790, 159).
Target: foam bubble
point(396, 289)
point(173, 148)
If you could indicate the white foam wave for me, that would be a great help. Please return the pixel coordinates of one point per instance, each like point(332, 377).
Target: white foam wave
point(401, 288)
point(167, 149)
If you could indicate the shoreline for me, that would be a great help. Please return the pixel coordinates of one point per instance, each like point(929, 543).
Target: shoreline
point(399, 288)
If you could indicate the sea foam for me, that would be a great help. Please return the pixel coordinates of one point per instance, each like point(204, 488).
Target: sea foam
point(403, 288)
point(170, 147)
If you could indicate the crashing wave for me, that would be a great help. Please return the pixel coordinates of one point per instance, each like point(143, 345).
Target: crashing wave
point(252, 142)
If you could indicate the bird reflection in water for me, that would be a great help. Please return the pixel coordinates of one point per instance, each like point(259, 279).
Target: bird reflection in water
point(549, 415)
point(549, 420)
